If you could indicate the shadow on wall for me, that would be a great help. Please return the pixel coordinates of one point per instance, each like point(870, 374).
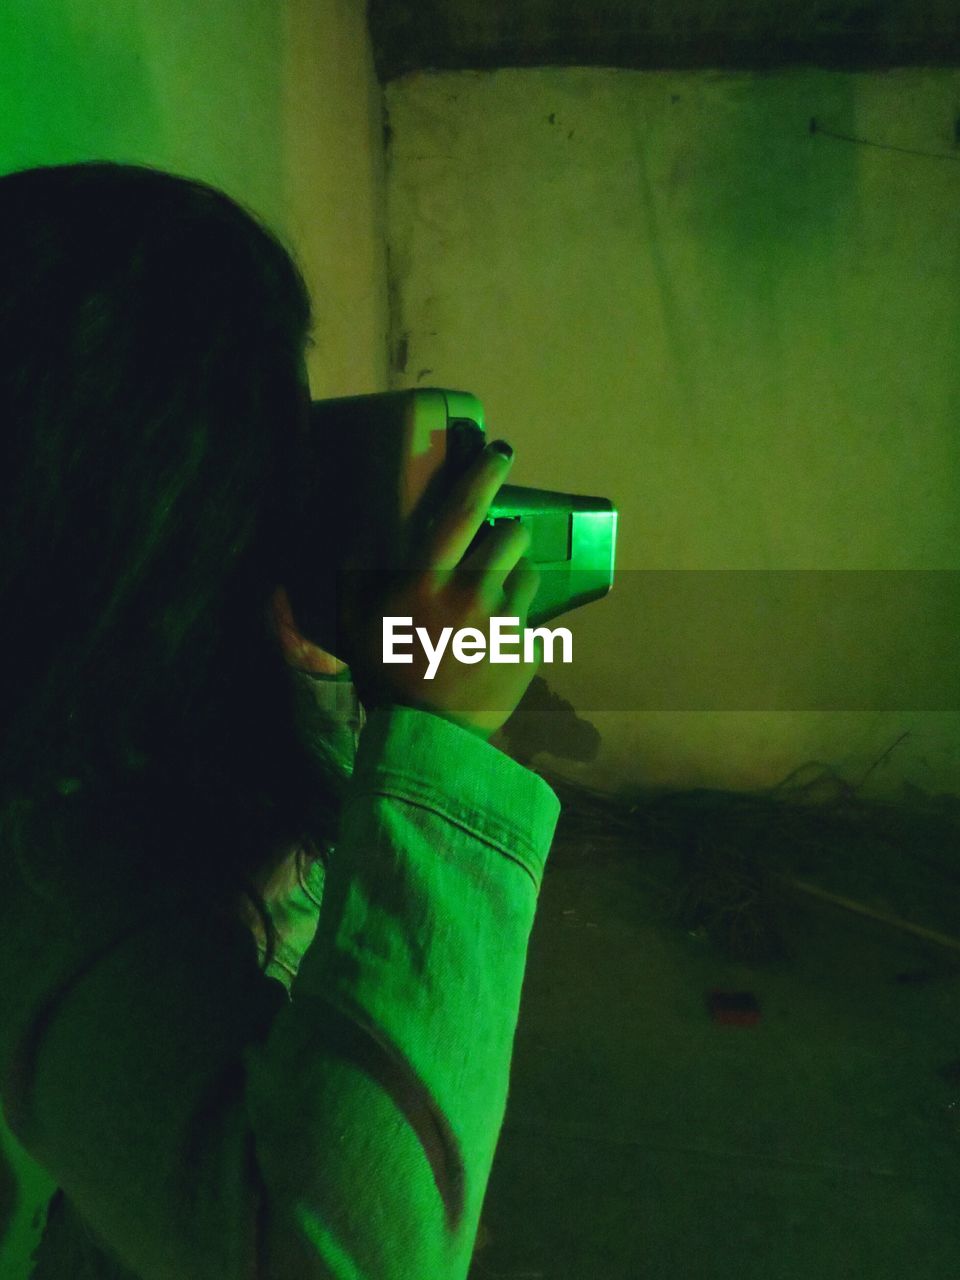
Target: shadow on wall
point(543, 721)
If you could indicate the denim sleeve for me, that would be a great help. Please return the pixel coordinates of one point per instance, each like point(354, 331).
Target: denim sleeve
point(204, 1122)
point(378, 1099)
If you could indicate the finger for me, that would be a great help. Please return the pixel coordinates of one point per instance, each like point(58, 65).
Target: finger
point(465, 509)
point(520, 590)
point(487, 569)
point(501, 548)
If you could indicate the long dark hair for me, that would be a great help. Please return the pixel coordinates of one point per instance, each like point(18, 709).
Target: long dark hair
point(153, 428)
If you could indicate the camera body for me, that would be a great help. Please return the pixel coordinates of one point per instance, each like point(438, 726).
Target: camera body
point(391, 458)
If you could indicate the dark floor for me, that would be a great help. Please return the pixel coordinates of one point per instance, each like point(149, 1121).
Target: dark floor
point(643, 1139)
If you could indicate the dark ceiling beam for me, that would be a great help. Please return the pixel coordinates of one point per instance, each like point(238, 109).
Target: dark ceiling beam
point(755, 35)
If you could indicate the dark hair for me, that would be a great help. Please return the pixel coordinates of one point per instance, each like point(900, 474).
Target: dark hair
point(152, 471)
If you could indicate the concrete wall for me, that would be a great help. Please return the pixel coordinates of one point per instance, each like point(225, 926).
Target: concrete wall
point(276, 104)
point(667, 290)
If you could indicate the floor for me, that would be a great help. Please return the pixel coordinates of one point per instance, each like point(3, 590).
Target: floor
point(643, 1139)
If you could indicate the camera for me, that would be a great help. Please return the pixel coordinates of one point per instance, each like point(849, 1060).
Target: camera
point(379, 467)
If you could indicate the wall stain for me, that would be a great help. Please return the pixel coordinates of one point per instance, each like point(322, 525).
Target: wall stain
point(401, 354)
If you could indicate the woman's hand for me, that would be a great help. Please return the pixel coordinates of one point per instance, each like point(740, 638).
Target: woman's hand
point(449, 589)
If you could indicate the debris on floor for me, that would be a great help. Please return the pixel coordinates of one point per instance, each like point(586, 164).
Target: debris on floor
point(734, 1008)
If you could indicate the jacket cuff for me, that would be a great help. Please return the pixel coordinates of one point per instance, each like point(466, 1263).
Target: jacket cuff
point(426, 760)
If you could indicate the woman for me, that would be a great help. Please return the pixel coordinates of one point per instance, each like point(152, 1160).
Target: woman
point(166, 791)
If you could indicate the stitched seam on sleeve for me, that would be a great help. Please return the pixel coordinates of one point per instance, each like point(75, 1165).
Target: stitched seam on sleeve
point(490, 825)
point(430, 806)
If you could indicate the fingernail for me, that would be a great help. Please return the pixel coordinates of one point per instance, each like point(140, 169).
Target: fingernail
point(501, 447)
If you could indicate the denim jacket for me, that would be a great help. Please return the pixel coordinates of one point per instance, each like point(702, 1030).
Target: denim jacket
point(333, 1119)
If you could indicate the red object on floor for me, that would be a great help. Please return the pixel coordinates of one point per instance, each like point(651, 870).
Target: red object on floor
point(734, 1008)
